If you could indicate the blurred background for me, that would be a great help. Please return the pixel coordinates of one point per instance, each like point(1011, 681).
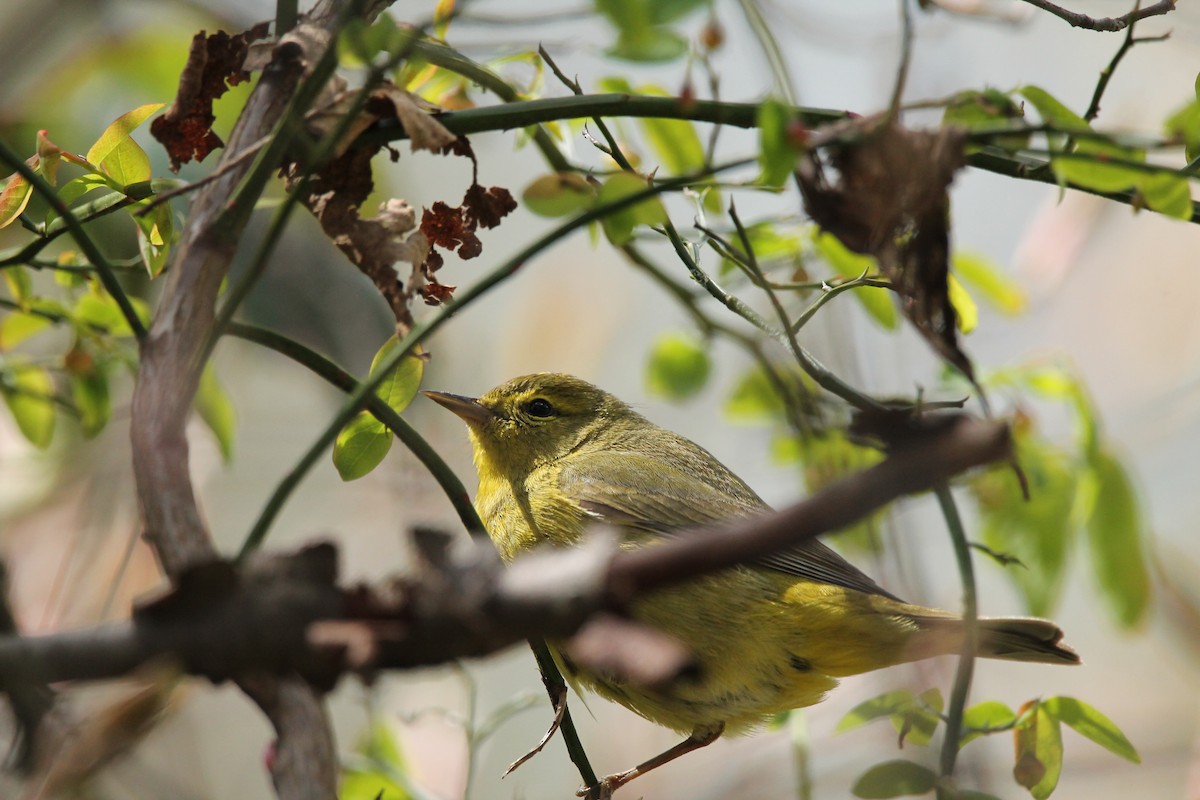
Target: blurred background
point(1111, 296)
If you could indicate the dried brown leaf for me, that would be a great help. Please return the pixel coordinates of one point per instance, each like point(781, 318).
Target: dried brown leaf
point(891, 201)
point(214, 64)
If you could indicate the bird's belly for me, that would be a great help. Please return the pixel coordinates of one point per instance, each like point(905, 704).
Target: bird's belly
point(764, 643)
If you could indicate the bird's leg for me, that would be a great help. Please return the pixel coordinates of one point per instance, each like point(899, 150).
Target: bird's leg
point(560, 708)
point(702, 736)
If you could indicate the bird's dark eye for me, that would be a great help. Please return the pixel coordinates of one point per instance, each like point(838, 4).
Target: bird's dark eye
point(539, 407)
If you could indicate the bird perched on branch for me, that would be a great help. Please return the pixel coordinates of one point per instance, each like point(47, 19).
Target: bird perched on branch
point(556, 454)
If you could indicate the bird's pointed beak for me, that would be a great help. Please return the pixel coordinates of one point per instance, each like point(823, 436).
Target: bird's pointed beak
point(468, 408)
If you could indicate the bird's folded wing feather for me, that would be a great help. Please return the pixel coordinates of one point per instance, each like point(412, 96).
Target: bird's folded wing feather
point(643, 493)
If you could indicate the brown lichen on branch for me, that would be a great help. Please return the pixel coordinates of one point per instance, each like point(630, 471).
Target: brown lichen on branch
point(214, 64)
point(891, 201)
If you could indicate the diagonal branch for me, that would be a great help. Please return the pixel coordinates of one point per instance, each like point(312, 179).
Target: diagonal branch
point(1106, 24)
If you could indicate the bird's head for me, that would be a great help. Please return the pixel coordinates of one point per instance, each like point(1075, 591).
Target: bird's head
point(533, 419)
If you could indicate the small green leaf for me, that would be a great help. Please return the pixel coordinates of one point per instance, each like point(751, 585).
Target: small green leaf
point(102, 311)
point(880, 303)
point(127, 163)
point(674, 141)
point(18, 326)
point(1167, 194)
point(986, 278)
point(19, 283)
point(678, 366)
point(400, 387)
point(1185, 124)
point(842, 260)
point(559, 195)
point(364, 442)
point(15, 196)
point(878, 707)
point(983, 717)
point(361, 446)
point(156, 231)
point(754, 399)
point(28, 393)
point(898, 778)
point(777, 152)
point(118, 132)
point(1052, 111)
point(215, 408)
point(1089, 722)
point(990, 108)
point(89, 391)
point(1114, 538)
point(1038, 761)
point(619, 225)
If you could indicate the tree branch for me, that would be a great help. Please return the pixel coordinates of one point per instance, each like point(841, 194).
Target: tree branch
point(1106, 24)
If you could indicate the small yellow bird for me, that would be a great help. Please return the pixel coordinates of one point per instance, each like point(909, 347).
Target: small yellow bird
point(556, 454)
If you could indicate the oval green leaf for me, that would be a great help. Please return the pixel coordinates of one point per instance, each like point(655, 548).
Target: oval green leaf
point(618, 225)
point(1038, 762)
point(216, 410)
point(898, 778)
point(361, 446)
point(678, 366)
point(1089, 722)
point(28, 394)
point(1115, 540)
point(118, 131)
point(559, 195)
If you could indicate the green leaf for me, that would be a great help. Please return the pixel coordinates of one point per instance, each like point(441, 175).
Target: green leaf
point(400, 387)
point(678, 366)
point(771, 246)
point(674, 141)
point(898, 778)
point(215, 408)
point(1038, 761)
point(966, 311)
point(1038, 532)
point(989, 108)
point(777, 151)
point(1089, 722)
point(156, 231)
point(364, 442)
point(361, 446)
point(1115, 540)
point(89, 391)
point(1090, 172)
point(878, 707)
point(127, 163)
point(559, 195)
point(18, 326)
point(27, 393)
point(880, 304)
point(1052, 111)
point(983, 717)
point(1185, 124)
point(19, 283)
point(117, 133)
point(640, 32)
point(987, 278)
point(102, 311)
point(619, 225)
point(754, 399)
point(1167, 194)
point(381, 777)
point(15, 196)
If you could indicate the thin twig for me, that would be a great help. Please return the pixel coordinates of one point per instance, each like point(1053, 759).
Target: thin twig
point(906, 40)
point(770, 47)
point(970, 617)
point(1106, 74)
point(1107, 24)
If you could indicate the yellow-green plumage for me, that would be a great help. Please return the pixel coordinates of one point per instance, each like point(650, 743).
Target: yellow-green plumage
point(555, 454)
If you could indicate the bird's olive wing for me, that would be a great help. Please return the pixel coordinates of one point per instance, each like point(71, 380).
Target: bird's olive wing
point(642, 493)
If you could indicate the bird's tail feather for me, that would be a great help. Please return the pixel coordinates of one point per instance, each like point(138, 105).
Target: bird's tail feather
point(1007, 638)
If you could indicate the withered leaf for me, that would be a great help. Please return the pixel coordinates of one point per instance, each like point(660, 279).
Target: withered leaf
point(214, 64)
point(891, 201)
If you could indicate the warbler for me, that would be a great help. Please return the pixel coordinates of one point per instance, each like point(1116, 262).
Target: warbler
point(556, 454)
